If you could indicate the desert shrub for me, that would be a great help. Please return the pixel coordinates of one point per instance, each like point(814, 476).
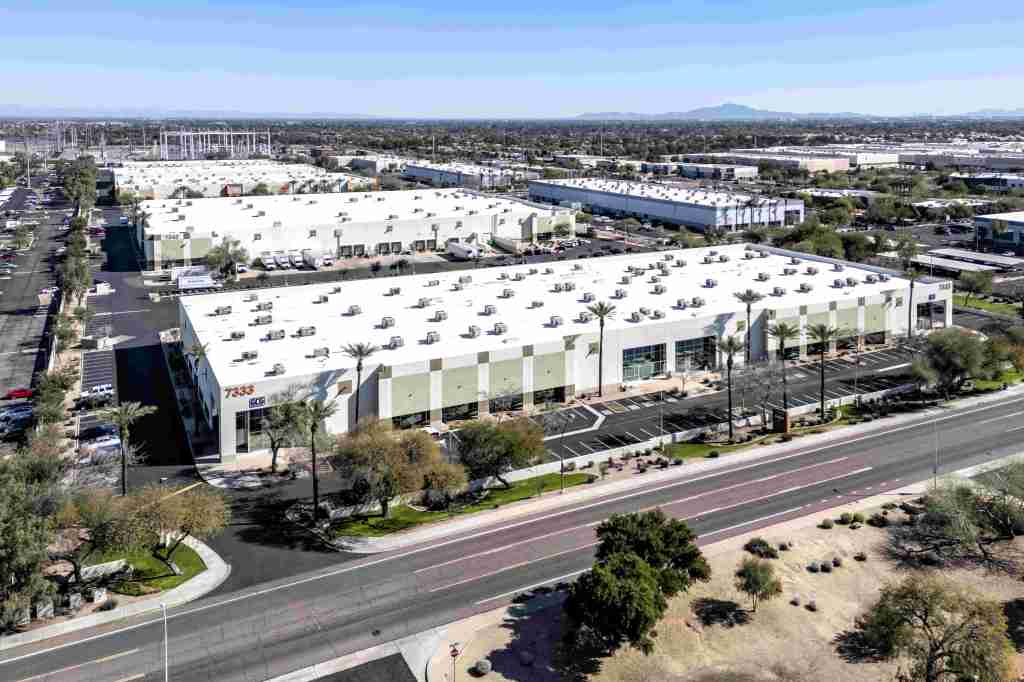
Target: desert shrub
point(826, 524)
point(826, 567)
point(795, 601)
point(837, 561)
point(854, 526)
point(482, 667)
point(762, 548)
point(812, 605)
point(846, 518)
point(108, 605)
point(878, 521)
point(812, 567)
point(858, 517)
point(860, 556)
point(713, 454)
point(784, 546)
point(889, 505)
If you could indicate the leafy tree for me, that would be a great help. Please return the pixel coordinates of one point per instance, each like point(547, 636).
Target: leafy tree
point(443, 481)
point(666, 544)
point(359, 352)
point(906, 248)
point(95, 522)
point(948, 632)
point(602, 311)
point(199, 512)
point(730, 346)
point(316, 412)
point(282, 424)
point(123, 416)
point(756, 578)
point(226, 257)
point(24, 537)
point(618, 601)
point(260, 189)
point(490, 450)
point(949, 357)
point(974, 284)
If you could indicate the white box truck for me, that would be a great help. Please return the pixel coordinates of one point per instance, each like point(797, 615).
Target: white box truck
point(296, 259)
point(461, 251)
point(281, 260)
point(312, 259)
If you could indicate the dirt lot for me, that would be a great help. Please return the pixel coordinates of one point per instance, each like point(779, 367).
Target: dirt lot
point(710, 634)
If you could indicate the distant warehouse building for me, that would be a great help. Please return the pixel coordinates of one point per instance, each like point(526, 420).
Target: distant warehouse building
point(855, 155)
point(460, 175)
point(717, 171)
point(996, 182)
point(812, 164)
point(697, 208)
point(181, 232)
point(165, 179)
point(456, 345)
point(1005, 229)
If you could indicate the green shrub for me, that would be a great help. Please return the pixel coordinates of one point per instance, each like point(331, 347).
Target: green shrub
point(858, 517)
point(860, 556)
point(826, 524)
point(846, 518)
point(878, 521)
point(762, 548)
point(826, 567)
point(713, 454)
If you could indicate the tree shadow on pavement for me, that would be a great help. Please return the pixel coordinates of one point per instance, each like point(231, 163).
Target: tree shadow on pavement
point(536, 627)
point(259, 518)
point(1014, 612)
point(724, 612)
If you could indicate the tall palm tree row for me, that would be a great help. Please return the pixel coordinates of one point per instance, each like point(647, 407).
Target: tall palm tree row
point(730, 346)
point(602, 310)
point(912, 276)
point(748, 298)
point(316, 413)
point(359, 352)
point(783, 333)
point(123, 416)
point(824, 336)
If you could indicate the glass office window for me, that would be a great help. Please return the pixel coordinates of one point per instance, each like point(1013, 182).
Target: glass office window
point(695, 354)
point(643, 362)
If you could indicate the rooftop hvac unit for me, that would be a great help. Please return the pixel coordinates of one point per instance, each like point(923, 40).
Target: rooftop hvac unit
point(778, 291)
point(474, 331)
point(507, 293)
point(883, 278)
point(748, 256)
point(519, 276)
point(805, 287)
point(837, 267)
point(626, 279)
point(789, 271)
point(250, 355)
point(570, 286)
point(657, 314)
point(321, 352)
point(354, 310)
point(490, 309)
point(763, 277)
point(387, 322)
point(681, 304)
point(556, 321)
point(533, 271)
point(644, 310)
point(433, 337)
point(659, 289)
point(635, 316)
point(795, 261)
point(549, 271)
point(708, 260)
point(586, 316)
point(250, 298)
point(500, 328)
point(266, 305)
point(423, 302)
point(712, 253)
point(322, 298)
point(557, 287)
point(577, 266)
point(723, 258)
point(696, 301)
point(440, 316)
point(620, 293)
point(306, 331)
point(263, 319)
point(588, 297)
point(654, 279)
point(396, 342)
point(502, 275)
point(710, 283)
point(434, 283)
point(456, 286)
point(465, 279)
point(222, 310)
point(336, 290)
point(668, 257)
point(680, 263)
point(237, 336)
point(537, 304)
point(838, 283)
point(851, 281)
point(394, 291)
point(762, 254)
point(261, 214)
point(275, 335)
point(871, 279)
point(277, 369)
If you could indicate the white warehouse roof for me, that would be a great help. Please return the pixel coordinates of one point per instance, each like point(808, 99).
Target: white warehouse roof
point(208, 176)
point(464, 303)
point(680, 194)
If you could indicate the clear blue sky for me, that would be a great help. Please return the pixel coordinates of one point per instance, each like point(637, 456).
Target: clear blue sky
point(512, 59)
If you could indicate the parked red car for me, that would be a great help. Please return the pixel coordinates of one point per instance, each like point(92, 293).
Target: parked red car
point(18, 393)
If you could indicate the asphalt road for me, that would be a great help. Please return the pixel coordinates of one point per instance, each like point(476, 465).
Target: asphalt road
point(285, 625)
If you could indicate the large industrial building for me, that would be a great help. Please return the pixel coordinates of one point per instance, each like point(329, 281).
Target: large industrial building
point(460, 175)
point(459, 344)
point(1006, 229)
point(693, 207)
point(164, 179)
point(759, 157)
point(182, 232)
point(995, 182)
point(717, 171)
point(855, 155)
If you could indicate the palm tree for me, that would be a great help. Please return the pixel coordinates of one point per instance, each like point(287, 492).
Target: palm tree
point(316, 412)
point(912, 276)
point(359, 352)
point(375, 267)
point(601, 311)
point(748, 298)
point(123, 416)
point(824, 336)
point(730, 346)
point(198, 352)
point(783, 332)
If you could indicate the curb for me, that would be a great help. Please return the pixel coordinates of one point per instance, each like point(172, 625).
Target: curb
point(217, 571)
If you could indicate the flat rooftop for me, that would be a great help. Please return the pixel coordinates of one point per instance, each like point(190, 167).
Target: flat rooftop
point(153, 173)
point(952, 265)
point(1010, 216)
point(334, 209)
point(464, 168)
point(975, 257)
point(295, 307)
point(679, 194)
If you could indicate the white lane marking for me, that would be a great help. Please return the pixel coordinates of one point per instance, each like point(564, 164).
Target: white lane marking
point(574, 453)
point(123, 312)
point(752, 521)
point(892, 367)
point(496, 529)
point(1018, 428)
point(530, 587)
point(509, 568)
point(1005, 416)
point(82, 665)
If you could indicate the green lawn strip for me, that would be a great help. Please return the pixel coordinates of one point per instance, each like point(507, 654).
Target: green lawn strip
point(404, 517)
point(1000, 308)
point(152, 574)
point(1009, 377)
point(697, 450)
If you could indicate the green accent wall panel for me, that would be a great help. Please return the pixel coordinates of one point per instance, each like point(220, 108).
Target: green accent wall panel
point(171, 249)
point(818, 318)
point(201, 247)
point(459, 386)
point(506, 377)
point(874, 318)
point(846, 320)
point(548, 371)
point(410, 394)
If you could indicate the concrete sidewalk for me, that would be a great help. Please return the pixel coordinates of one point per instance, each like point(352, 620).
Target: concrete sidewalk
point(217, 571)
point(579, 495)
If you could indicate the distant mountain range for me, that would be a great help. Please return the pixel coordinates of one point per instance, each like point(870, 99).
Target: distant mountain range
point(739, 112)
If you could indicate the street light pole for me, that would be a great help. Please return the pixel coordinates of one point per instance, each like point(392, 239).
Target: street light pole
point(167, 669)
